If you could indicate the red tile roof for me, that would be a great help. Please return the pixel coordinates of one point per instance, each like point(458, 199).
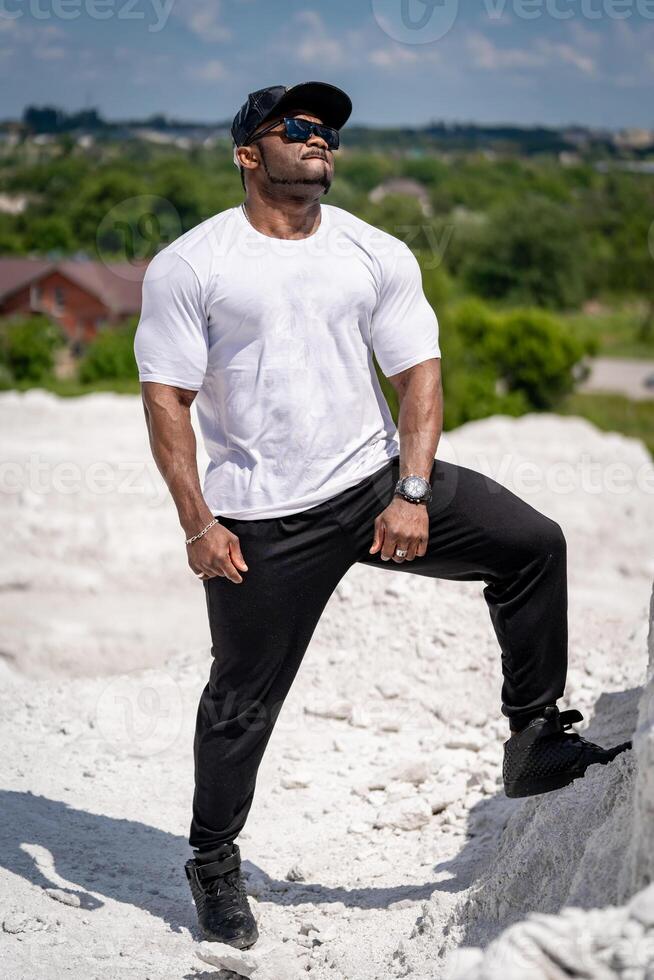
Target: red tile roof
point(16, 273)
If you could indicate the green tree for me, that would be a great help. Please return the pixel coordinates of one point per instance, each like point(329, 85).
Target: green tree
point(529, 252)
point(99, 195)
point(11, 242)
point(365, 170)
point(50, 234)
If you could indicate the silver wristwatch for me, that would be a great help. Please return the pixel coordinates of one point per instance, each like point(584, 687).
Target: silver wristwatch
point(414, 488)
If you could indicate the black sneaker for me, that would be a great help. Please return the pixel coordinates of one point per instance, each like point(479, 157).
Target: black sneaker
point(219, 894)
point(542, 756)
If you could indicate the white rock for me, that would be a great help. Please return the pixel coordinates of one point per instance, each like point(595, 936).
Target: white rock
point(308, 925)
point(338, 656)
point(400, 791)
point(390, 724)
point(359, 827)
point(266, 960)
point(391, 686)
point(298, 780)
point(359, 717)
point(413, 771)
point(472, 740)
point(447, 794)
point(66, 898)
point(340, 709)
point(18, 922)
point(404, 814)
point(641, 906)
point(295, 873)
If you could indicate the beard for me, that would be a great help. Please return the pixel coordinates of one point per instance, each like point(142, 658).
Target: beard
point(324, 180)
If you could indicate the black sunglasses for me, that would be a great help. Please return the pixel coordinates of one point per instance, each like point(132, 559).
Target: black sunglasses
point(300, 130)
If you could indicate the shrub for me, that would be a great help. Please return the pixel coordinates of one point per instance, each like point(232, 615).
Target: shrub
point(27, 348)
point(505, 363)
point(110, 355)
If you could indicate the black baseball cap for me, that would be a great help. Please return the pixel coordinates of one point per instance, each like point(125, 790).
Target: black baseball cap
point(330, 103)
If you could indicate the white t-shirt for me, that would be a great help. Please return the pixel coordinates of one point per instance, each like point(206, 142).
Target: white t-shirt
point(277, 338)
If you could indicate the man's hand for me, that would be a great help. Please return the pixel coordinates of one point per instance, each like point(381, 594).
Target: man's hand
point(401, 525)
point(218, 552)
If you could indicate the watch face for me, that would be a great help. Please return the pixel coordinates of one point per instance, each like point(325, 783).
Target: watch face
point(414, 487)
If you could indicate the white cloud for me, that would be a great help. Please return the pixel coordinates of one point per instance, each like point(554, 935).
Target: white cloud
point(321, 51)
point(210, 71)
point(394, 57)
point(316, 46)
point(311, 18)
point(584, 37)
point(203, 18)
point(543, 54)
point(571, 56)
point(32, 40)
point(628, 61)
point(49, 53)
point(486, 54)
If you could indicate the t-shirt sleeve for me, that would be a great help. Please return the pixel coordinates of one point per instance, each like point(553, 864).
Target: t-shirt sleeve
point(171, 343)
point(404, 327)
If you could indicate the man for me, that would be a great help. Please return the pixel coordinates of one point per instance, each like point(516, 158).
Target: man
point(269, 314)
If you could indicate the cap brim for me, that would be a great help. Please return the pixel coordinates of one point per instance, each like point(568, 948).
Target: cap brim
point(331, 104)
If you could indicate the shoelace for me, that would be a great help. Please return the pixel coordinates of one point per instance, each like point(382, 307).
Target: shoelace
point(232, 880)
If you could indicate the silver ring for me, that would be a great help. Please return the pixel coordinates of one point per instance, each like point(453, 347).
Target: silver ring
point(400, 553)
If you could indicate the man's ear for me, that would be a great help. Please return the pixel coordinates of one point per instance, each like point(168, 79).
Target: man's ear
point(250, 152)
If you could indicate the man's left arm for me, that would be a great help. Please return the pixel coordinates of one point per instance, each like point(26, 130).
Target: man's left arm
point(402, 524)
point(405, 337)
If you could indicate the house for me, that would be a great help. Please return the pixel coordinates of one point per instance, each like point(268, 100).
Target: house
point(406, 186)
point(80, 295)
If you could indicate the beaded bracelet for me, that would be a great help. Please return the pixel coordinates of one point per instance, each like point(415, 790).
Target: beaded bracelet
point(203, 531)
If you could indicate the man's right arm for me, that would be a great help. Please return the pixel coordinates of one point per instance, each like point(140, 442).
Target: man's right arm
point(173, 444)
point(171, 348)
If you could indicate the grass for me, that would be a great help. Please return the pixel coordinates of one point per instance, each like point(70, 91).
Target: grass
point(614, 413)
point(615, 329)
point(70, 388)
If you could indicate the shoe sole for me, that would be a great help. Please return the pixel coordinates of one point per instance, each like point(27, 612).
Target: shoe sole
point(244, 942)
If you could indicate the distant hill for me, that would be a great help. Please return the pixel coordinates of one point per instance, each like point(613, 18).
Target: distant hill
point(435, 136)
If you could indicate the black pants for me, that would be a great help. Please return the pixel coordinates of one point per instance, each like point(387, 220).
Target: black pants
point(261, 627)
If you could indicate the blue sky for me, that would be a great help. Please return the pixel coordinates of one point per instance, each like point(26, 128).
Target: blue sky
point(401, 61)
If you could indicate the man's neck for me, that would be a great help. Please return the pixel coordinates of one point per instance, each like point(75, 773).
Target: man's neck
point(283, 219)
